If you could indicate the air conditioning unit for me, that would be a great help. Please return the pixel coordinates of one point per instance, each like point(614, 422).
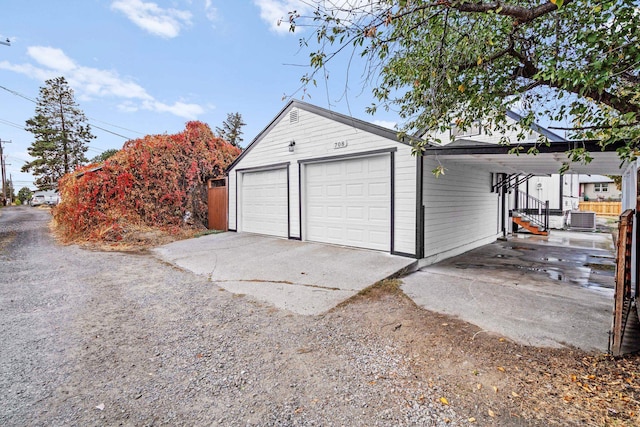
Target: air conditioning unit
point(583, 220)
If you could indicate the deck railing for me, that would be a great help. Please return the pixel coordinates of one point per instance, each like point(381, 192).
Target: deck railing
point(536, 211)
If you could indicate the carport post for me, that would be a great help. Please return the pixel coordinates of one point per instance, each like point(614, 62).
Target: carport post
point(504, 205)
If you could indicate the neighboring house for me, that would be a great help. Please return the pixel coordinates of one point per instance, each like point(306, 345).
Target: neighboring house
point(598, 188)
point(320, 176)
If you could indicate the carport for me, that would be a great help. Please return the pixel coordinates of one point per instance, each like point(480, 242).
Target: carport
point(502, 161)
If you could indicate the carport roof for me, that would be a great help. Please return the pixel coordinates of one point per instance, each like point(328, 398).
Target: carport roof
point(549, 160)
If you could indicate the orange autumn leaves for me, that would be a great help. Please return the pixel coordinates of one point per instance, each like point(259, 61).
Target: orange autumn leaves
point(157, 181)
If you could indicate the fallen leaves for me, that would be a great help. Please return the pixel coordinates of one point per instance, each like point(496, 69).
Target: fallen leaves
point(444, 401)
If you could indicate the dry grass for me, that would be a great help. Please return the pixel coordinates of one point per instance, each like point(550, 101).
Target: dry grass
point(495, 381)
point(135, 238)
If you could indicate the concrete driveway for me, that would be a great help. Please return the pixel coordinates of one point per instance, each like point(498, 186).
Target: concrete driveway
point(543, 291)
point(302, 277)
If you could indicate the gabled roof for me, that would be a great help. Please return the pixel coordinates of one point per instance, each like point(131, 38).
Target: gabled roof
point(536, 127)
point(332, 115)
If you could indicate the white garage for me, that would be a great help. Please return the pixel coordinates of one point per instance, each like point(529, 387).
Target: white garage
point(348, 202)
point(319, 176)
point(265, 202)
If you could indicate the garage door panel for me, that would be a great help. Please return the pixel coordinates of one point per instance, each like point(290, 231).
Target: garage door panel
point(354, 190)
point(264, 208)
point(378, 189)
point(354, 168)
point(378, 214)
point(334, 190)
point(354, 207)
point(355, 212)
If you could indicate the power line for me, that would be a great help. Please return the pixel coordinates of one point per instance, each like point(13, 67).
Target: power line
point(115, 126)
point(8, 123)
point(116, 134)
point(13, 92)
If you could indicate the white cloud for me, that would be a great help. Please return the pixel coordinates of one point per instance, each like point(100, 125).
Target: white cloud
point(180, 109)
point(210, 11)
point(275, 12)
point(386, 124)
point(152, 18)
point(90, 83)
point(51, 58)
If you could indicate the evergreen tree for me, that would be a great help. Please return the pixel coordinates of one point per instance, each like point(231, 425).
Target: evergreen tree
point(61, 134)
point(100, 158)
point(231, 129)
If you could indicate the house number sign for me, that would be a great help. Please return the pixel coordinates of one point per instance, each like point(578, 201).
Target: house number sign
point(340, 144)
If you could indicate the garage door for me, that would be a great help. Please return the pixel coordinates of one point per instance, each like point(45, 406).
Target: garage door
point(348, 202)
point(264, 202)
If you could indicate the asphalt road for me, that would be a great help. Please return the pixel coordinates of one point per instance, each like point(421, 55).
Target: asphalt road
point(104, 338)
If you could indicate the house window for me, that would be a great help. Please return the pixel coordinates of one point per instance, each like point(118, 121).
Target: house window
point(472, 130)
point(601, 187)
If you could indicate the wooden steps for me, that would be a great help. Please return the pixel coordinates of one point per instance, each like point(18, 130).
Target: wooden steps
point(526, 224)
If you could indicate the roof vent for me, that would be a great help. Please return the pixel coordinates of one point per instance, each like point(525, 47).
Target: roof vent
point(293, 116)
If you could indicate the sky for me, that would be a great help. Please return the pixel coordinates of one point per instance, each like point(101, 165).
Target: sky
point(141, 67)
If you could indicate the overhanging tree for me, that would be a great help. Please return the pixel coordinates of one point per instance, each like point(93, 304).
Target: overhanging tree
point(61, 134)
point(446, 61)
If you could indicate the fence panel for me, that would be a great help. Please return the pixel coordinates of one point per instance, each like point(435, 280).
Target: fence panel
point(602, 208)
point(218, 208)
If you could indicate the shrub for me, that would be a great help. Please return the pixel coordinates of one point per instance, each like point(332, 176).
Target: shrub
point(157, 181)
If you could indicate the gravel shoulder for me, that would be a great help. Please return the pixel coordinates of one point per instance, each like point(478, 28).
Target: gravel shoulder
point(106, 338)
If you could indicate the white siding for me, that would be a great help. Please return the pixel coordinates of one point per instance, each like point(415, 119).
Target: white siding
point(461, 213)
point(493, 138)
point(316, 136)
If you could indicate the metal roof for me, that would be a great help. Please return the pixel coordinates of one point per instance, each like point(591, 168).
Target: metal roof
point(496, 158)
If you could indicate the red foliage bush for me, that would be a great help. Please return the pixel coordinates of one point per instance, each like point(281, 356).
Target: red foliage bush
point(156, 181)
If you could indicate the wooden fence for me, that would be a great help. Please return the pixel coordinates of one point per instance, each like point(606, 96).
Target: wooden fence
point(217, 200)
point(602, 208)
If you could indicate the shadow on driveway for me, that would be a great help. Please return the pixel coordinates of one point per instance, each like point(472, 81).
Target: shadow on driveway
point(542, 291)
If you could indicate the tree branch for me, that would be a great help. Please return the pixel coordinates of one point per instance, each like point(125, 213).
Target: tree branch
point(522, 15)
point(623, 104)
point(595, 127)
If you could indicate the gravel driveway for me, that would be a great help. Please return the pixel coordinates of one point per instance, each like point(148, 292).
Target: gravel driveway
point(95, 338)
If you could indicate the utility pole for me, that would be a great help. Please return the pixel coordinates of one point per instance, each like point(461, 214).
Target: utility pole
point(4, 172)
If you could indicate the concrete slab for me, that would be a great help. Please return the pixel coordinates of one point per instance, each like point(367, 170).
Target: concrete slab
point(302, 277)
point(553, 291)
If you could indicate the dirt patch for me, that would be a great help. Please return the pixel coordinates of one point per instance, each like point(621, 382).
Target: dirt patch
point(491, 380)
point(133, 239)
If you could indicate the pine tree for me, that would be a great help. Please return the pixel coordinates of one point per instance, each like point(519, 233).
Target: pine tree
point(231, 129)
point(61, 134)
